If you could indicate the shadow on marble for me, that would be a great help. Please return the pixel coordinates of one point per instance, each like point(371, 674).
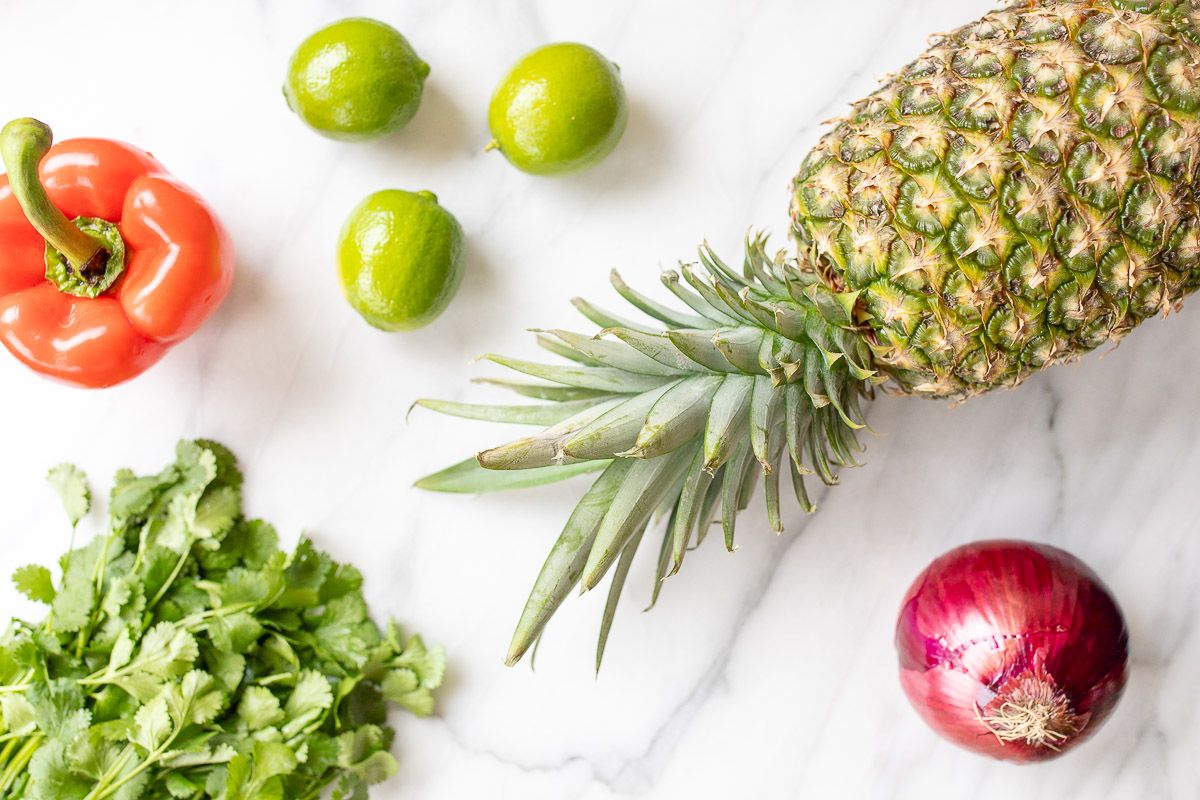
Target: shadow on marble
point(439, 132)
point(641, 160)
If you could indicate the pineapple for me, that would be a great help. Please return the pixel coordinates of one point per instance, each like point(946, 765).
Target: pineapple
point(1025, 191)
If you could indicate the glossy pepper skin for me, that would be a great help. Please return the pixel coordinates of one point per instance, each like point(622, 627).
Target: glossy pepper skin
point(178, 266)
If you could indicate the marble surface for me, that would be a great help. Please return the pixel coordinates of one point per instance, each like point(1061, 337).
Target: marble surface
point(767, 674)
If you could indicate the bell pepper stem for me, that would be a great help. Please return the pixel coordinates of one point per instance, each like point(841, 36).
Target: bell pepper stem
point(23, 144)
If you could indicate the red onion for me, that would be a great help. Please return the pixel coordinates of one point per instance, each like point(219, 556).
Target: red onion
point(1011, 649)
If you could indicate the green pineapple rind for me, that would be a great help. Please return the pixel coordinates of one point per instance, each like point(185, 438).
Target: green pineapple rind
point(1022, 193)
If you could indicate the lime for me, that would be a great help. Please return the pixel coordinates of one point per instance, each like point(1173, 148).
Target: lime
point(400, 259)
point(354, 80)
point(561, 109)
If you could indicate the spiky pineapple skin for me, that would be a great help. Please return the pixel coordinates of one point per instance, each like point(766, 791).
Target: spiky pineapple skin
point(1025, 191)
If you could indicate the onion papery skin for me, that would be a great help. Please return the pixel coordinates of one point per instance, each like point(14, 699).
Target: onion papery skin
point(987, 621)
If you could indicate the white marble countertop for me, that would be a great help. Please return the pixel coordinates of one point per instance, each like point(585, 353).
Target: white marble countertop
point(766, 674)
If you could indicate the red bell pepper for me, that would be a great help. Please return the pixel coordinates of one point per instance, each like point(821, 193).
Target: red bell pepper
point(97, 300)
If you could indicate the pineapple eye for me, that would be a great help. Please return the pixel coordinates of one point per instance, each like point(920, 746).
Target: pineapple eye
point(1028, 202)
point(1039, 352)
point(1143, 215)
point(1039, 75)
point(1183, 250)
point(1043, 26)
point(1004, 328)
point(1115, 274)
point(924, 209)
point(970, 169)
point(923, 67)
point(1175, 78)
point(976, 62)
point(977, 241)
point(860, 145)
point(1149, 298)
point(919, 99)
point(1109, 41)
point(824, 191)
point(1102, 105)
point(1089, 177)
point(1076, 240)
point(873, 108)
point(1068, 306)
point(1167, 148)
point(974, 108)
point(914, 150)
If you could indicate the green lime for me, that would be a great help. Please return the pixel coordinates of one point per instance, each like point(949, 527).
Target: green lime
point(355, 80)
point(400, 259)
point(561, 109)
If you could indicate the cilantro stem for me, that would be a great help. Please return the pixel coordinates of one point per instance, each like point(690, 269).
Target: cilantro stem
point(151, 759)
point(113, 770)
point(170, 579)
point(15, 767)
point(7, 751)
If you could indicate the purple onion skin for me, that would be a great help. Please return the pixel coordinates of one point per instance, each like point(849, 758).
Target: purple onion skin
point(1012, 649)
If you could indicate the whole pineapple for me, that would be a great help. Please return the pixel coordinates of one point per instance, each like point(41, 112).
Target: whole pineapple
point(1025, 191)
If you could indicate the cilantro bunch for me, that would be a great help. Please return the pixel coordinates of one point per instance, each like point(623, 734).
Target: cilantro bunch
point(185, 655)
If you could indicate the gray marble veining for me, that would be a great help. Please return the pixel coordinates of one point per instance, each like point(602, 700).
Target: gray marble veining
point(768, 673)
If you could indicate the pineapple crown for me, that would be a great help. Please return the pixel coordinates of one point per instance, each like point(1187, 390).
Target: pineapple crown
point(767, 366)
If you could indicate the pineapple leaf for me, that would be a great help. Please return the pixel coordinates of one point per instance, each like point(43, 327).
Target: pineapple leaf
point(796, 417)
point(617, 354)
point(677, 417)
point(736, 472)
point(644, 488)
point(565, 563)
point(709, 291)
point(614, 591)
point(718, 268)
point(682, 420)
point(700, 347)
point(759, 265)
point(764, 405)
point(539, 391)
point(727, 418)
point(616, 431)
point(659, 347)
point(670, 279)
point(775, 447)
point(544, 449)
point(668, 316)
point(606, 379)
point(806, 505)
point(741, 347)
point(467, 477)
point(695, 489)
point(603, 319)
point(547, 414)
point(559, 349)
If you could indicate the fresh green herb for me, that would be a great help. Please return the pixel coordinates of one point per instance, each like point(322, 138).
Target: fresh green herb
point(186, 656)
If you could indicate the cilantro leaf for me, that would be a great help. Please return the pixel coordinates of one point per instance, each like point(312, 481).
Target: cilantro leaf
point(34, 581)
point(71, 485)
point(76, 598)
point(185, 655)
point(50, 776)
point(151, 725)
point(259, 708)
point(307, 702)
point(195, 700)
